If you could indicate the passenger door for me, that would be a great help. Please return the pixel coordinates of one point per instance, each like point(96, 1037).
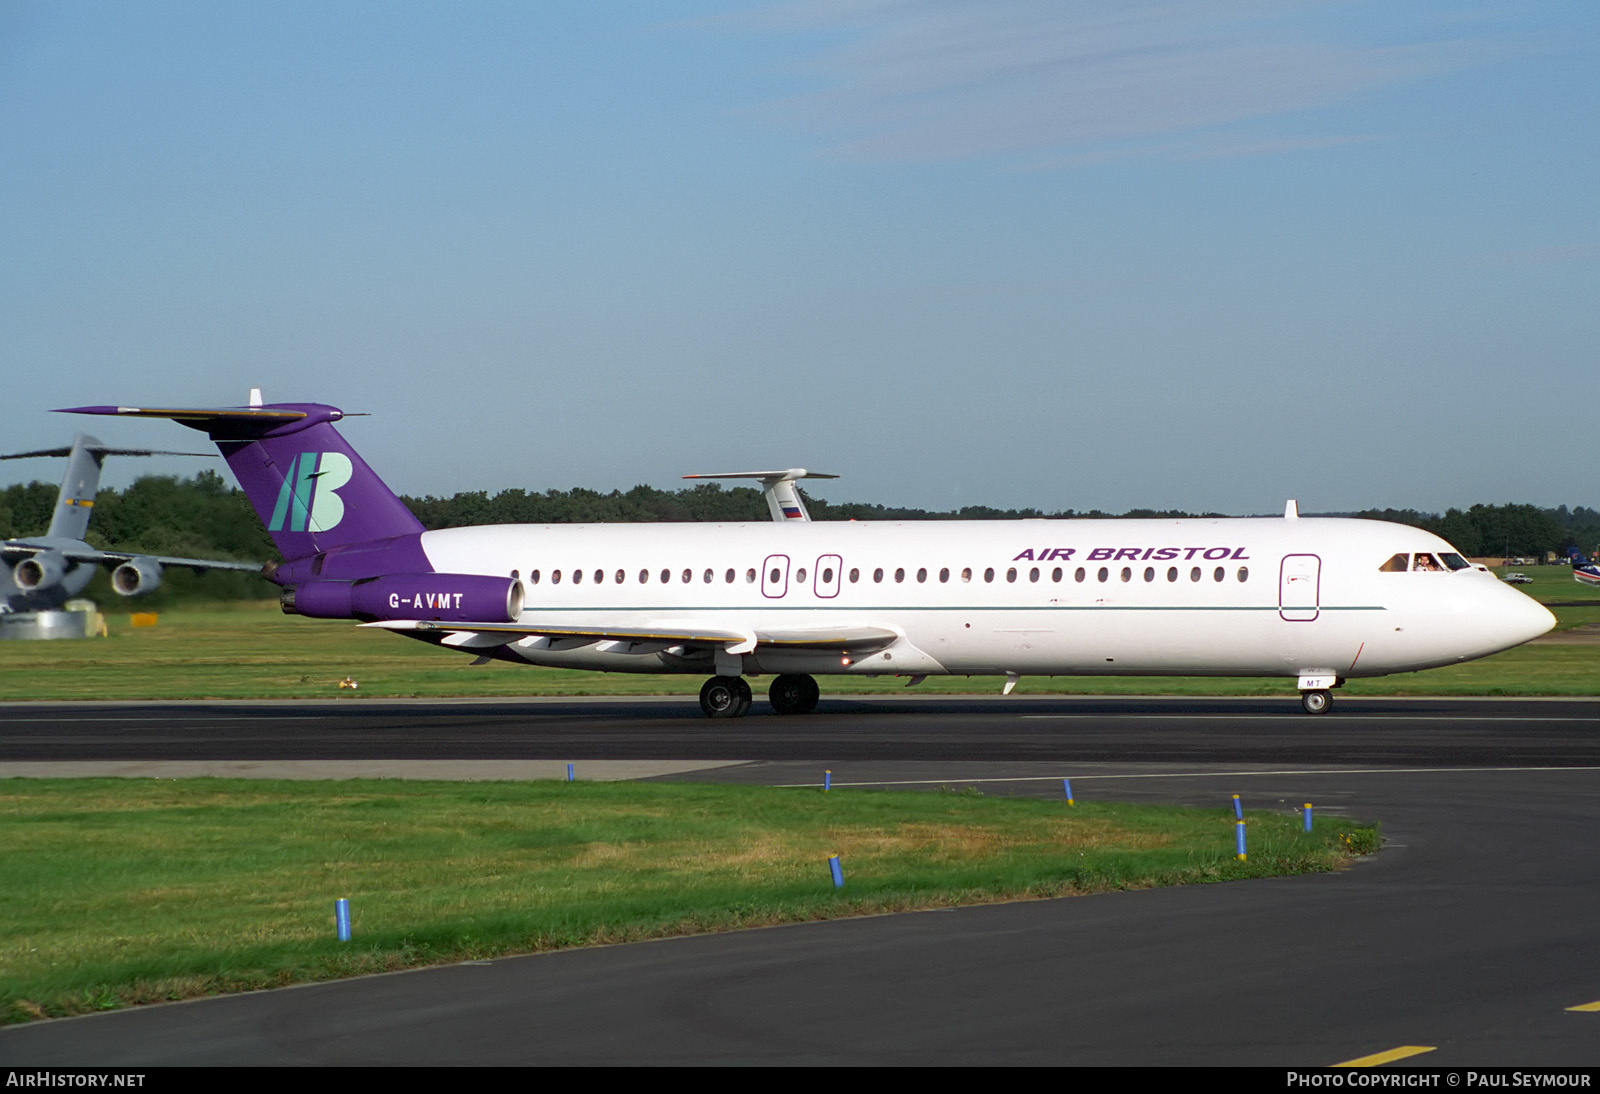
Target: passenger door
point(1300, 588)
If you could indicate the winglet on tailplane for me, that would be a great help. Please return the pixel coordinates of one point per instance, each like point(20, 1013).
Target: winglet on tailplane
point(308, 486)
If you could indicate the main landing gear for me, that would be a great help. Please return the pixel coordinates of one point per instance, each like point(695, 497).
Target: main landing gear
point(793, 694)
point(725, 697)
point(729, 696)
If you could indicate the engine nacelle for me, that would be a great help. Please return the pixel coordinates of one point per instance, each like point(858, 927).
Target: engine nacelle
point(136, 576)
point(43, 570)
point(449, 598)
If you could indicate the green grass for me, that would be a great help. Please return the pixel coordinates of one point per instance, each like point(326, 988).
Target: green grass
point(128, 891)
point(254, 651)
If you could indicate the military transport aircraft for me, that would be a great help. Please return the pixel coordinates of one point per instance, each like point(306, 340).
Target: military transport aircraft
point(41, 573)
point(1315, 601)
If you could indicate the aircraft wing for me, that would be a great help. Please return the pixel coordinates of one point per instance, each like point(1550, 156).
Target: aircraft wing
point(13, 550)
point(734, 640)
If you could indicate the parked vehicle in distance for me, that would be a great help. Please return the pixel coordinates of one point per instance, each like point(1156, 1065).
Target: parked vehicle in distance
point(1516, 579)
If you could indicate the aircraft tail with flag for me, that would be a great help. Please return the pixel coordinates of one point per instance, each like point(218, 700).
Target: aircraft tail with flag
point(1584, 572)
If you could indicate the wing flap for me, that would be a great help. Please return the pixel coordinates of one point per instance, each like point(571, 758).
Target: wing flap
point(699, 636)
point(734, 640)
point(852, 639)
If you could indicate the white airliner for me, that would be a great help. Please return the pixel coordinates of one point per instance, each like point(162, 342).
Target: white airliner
point(1315, 601)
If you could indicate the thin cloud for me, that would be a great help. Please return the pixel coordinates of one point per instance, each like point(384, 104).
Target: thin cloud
point(929, 80)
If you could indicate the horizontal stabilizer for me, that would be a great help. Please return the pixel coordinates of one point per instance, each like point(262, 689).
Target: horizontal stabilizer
point(783, 499)
point(788, 475)
point(104, 450)
point(193, 414)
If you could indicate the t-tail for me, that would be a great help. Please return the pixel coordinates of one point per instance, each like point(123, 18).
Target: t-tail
point(313, 492)
point(75, 500)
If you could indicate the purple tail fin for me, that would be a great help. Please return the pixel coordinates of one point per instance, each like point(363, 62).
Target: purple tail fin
point(308, 486)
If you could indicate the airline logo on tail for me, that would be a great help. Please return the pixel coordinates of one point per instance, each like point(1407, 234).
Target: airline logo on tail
point(309, 499)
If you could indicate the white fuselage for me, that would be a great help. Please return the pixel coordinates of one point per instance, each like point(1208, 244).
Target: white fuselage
point(1225, 597)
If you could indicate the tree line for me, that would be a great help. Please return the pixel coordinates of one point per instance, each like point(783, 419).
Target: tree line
point(204, 517)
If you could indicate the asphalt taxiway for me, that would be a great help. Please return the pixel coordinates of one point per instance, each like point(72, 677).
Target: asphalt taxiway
point(1470, 934)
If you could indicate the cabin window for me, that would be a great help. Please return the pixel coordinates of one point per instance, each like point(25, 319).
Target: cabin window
point(855, 575)
point(1055, 575)
point(1172, 573)
point(1194, 574)
point(1078, 574)
point(555, 577)
point(644, 577)
point(1105, 574)
point(877, 575)
point(621, 577)
point(988, 574)
point(577, 577)
point(1149, 573)
point(827, 575)
point(1395, 565)
point(533, 577)
point(1011, 573)
point(966, 573)
point(750, 575)
point(688, 576)
point(944, 574)
point(800, 574)
point(1033, 574)
point(899, 574)
point(922, 574)
point(1219, 574)
point(1127, 573)
point(1244, 573)
point(729, 576)
point(776, 577)
point(666, 577)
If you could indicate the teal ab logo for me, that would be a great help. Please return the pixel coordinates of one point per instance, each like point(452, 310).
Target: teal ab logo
point(308, 500)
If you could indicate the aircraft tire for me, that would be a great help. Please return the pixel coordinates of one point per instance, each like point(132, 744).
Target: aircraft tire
point(794, 694)
point(1316, 701)
point(725, 697)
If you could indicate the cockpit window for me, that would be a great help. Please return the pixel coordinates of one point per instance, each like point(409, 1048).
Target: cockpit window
point(1399, 564)
point(1455, 561)
point(1424, 562)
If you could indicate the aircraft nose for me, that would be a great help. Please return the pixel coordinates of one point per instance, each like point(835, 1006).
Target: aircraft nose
point(1522, 619)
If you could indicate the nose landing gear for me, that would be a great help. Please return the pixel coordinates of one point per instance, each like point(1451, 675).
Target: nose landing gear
point(1316, 701)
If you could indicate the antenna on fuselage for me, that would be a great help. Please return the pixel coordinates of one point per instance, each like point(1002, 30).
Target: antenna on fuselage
point(1291, 511)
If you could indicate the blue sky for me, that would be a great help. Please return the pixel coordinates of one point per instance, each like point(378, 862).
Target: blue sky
point(1202, 255)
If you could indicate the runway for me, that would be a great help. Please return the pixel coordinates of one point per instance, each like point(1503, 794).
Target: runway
point(1431, 732)
point(1469, 934)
